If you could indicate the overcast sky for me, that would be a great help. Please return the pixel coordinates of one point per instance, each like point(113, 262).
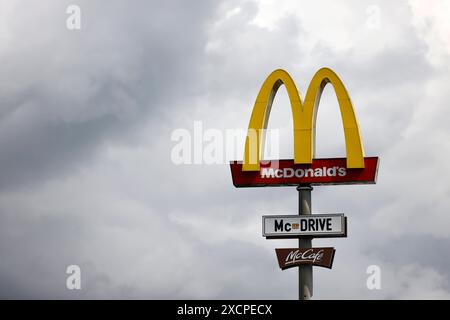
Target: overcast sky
point(86, 118)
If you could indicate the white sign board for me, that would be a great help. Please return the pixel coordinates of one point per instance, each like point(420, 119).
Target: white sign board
point(314, 225)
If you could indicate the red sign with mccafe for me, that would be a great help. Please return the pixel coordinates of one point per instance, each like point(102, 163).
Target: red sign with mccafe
point(321, 257)
point(320, 172)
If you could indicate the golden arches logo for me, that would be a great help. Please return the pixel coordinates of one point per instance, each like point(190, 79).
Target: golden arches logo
point(304, 119)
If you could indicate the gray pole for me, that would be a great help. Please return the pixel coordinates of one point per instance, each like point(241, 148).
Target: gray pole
point(305, 273)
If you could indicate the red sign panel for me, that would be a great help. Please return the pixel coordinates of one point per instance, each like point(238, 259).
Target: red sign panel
point(320, 172)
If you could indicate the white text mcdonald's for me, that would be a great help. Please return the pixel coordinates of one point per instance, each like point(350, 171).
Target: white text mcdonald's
point(304, 168)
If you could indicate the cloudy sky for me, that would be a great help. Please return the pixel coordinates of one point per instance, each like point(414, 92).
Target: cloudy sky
point(86, 124)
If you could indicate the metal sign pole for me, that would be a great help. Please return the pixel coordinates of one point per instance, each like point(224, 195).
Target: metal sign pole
point(305, 273)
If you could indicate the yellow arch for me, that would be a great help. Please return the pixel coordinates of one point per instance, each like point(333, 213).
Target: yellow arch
point(304, 119)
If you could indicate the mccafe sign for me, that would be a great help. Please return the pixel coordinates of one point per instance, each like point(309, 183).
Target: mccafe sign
point(293, 257)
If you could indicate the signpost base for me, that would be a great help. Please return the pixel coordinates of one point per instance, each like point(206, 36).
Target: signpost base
point(305, 273)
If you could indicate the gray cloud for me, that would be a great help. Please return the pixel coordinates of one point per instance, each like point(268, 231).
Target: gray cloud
point(66, 93)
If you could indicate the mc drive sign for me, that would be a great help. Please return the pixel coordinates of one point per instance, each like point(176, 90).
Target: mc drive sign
point(294, 226)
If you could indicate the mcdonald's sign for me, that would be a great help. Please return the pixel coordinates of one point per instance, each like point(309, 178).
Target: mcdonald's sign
point(304, 168)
